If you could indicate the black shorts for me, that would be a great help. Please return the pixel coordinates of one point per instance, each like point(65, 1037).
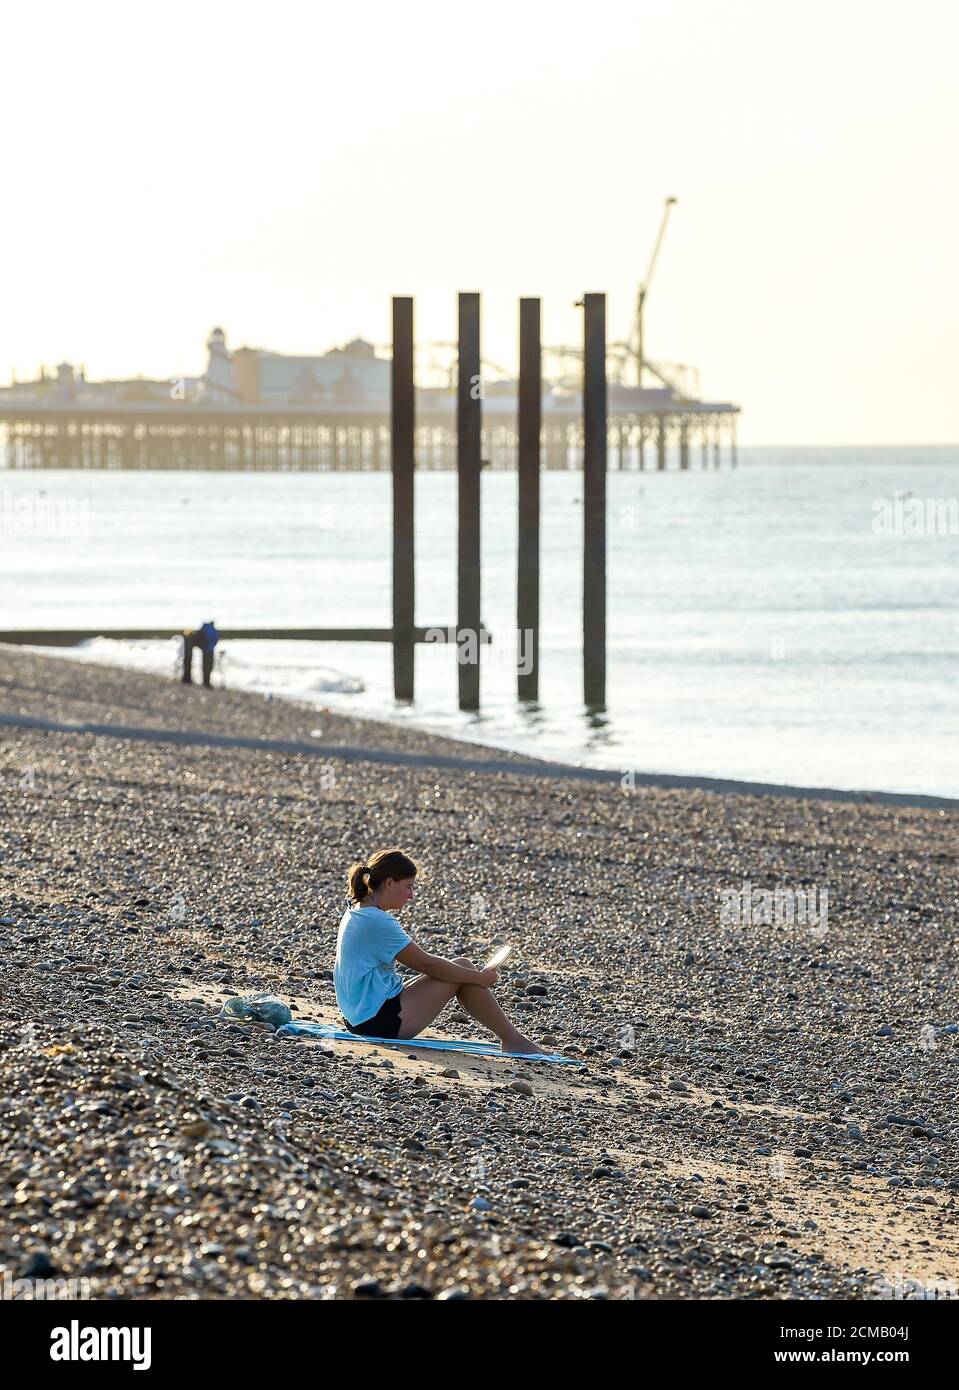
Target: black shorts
point(384, 1024)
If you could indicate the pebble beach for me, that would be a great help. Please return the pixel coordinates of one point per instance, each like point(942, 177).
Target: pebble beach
point(763, 1110)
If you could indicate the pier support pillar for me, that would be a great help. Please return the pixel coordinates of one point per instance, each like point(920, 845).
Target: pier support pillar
point(527, 574)
point(468, 455)
point(402, 463)
point(594, 500)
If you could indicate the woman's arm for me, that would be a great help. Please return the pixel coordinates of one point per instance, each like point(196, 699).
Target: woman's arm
point(441, 969)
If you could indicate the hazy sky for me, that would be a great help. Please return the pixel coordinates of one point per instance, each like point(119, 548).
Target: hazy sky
point(281, 169)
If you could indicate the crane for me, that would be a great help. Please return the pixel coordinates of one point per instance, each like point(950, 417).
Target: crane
point(681, 381)
point(635, 346)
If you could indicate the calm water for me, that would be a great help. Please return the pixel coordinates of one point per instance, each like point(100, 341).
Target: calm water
point(759, 625)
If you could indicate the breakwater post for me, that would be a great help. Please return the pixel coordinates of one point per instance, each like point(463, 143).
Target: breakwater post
point(527, 566)
point(402, 462)
point(469, 393)
point(594, 500)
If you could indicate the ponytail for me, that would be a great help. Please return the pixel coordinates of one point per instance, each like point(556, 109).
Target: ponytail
point(357, 882)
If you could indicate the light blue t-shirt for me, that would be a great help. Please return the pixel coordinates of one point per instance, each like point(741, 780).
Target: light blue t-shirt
point(364, 975)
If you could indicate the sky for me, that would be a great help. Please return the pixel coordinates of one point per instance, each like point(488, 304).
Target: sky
point(281, 170)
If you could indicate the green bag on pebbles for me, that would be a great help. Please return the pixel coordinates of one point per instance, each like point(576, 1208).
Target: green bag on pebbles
point(256, 1008)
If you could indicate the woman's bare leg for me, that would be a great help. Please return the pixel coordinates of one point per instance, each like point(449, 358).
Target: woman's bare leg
point(478, 1001)
point(425, 999)
point(421, 1001)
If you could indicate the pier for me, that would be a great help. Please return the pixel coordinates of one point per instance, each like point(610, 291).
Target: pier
point(646, 429)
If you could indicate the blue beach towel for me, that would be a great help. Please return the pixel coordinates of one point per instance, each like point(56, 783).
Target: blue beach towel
point(479, 1049)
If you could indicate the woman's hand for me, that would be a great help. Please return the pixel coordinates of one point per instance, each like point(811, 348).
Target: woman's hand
point(488, 978)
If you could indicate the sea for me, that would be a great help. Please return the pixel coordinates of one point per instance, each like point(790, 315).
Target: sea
point(794, 620)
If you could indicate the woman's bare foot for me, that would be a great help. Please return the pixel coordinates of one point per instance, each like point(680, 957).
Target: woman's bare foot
point(520, 1043)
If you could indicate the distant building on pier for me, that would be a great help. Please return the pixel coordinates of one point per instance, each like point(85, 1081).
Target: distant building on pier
point(350, 375)
point(255, 408)
point(69, 386)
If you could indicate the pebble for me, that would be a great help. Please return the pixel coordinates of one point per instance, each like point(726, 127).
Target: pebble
point(195, 1129)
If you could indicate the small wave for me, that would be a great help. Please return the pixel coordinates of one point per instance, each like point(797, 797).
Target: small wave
point(295, 684)
point(293, 678)
point(284, 672)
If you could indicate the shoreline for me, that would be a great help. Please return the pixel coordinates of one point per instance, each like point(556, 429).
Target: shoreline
point(538, 768)
point(499, 757)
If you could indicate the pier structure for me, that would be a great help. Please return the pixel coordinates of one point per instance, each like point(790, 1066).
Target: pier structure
point(646, 429)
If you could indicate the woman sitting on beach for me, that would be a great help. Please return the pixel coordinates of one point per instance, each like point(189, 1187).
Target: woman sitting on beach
point(369, 988)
